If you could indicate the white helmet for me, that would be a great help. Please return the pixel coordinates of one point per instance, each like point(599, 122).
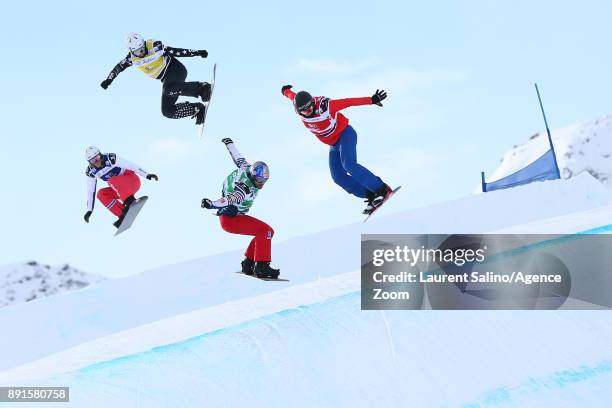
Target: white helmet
point(91, 152)
point(134, 41)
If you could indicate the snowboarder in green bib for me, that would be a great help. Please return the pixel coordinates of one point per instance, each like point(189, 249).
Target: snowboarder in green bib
point(239, 191)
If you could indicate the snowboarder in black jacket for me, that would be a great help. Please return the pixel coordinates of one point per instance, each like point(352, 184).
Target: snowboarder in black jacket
point(160, 62)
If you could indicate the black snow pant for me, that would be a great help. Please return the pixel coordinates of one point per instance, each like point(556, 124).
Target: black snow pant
point(175, 86)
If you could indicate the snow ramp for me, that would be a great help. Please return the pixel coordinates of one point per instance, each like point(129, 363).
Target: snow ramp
point(196, 334)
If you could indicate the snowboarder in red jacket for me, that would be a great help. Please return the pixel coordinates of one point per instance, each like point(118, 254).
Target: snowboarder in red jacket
point(321, 115)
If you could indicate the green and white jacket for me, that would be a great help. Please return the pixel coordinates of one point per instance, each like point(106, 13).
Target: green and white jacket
point(238, 191)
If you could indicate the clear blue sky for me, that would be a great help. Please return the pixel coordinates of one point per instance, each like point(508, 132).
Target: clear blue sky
point(460, 82)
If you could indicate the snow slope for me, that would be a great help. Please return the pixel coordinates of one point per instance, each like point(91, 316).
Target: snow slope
point(204, 336)
point(31, 280)
point(583, 147)
point(331, 354)
point(62, 322)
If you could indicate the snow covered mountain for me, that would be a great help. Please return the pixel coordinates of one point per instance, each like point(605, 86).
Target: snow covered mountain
point(31, 280)
point(582, 147)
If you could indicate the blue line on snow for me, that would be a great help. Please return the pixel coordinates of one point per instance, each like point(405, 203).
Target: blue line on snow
point(201, 337)
point(536, 385)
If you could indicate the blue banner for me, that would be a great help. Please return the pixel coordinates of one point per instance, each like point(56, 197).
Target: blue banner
point(544, 168)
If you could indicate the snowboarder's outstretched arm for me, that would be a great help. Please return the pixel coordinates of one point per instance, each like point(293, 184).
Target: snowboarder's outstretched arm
point(236, 156)
point(286, 90)
point(335, 105)
point(184, 52)
point(241, 192)
point(120, 67)
point(91, 196)
point(124, 164)
point(234, 198)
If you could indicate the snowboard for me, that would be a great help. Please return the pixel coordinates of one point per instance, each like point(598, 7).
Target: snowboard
point(133, 211)
point(207, 104)
point(383, 203)
point(264, 279)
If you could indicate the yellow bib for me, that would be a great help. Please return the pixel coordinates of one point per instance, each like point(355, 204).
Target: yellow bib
point(153, 63)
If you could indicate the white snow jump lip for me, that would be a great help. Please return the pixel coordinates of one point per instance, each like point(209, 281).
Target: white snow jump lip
point(184, 326)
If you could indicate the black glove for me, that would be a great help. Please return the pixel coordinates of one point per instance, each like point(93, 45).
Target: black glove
point(203, 53)
point(86, 216)
point(378, 96)
point(284, 88)
point(152, 176)
point(227, 141)
point(229, 211)
point(105, 84)
point(207, 203)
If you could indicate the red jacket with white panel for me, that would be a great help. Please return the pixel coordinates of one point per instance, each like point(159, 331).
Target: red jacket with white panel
point(327, 123)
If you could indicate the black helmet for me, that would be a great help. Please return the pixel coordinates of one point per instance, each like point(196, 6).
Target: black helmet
point(302, 101)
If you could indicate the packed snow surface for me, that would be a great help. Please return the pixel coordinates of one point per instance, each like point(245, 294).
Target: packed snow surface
point(197, 334)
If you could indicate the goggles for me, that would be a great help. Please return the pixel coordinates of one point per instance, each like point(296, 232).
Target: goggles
point(141, 51)
point(97, 159)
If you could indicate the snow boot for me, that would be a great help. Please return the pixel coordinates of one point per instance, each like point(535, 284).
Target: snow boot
point(380, 196)
point(263, 270)
point(247, 266)
point(126, 206)
point(370, 196)
point(199, 113)
point(127, 202)
point(117, 223)
point(205, 91)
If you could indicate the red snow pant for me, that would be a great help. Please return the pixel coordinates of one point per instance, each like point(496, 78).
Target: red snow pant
point(260, 248)
point(119, 188)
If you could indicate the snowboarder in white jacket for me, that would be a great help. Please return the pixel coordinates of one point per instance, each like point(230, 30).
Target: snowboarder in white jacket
point(122, 178)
